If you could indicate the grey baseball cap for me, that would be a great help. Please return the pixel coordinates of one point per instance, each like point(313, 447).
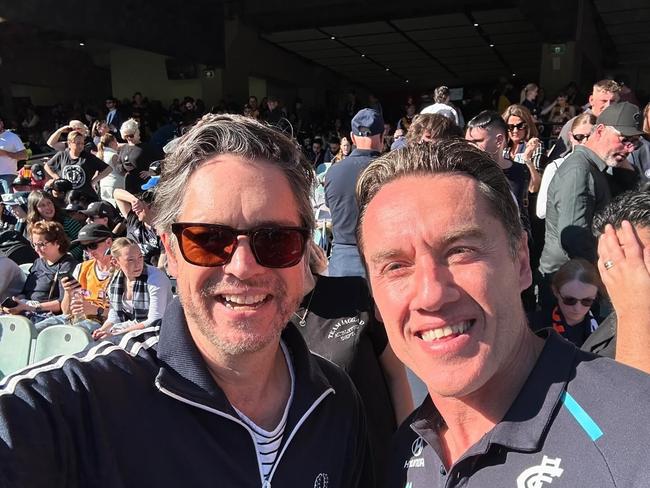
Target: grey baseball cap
point(625, 117)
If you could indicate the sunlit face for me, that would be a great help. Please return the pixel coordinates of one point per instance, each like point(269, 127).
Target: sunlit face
point(241, 306)
point(600, 100)
point(99, 252)
point(574, 314)
point(485, 140)
point(47, 250)
point(433, 264)
point(46, 209)
point(130, 261)
point(516, 130)
point(76, 145)
point(615, 149)
point(580, 134)
point(346, 147)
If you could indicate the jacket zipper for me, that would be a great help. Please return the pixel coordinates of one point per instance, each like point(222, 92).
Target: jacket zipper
point(265, 483)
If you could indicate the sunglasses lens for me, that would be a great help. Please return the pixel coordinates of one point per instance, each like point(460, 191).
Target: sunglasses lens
point(277, 247)
point(207, 246)
point(585, 302)
point(579, 137)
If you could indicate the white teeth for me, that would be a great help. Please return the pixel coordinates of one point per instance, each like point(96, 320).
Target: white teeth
point(244, 299)
point(439, 333)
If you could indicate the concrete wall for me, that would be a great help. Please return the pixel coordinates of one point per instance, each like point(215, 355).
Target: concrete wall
point(136, 70)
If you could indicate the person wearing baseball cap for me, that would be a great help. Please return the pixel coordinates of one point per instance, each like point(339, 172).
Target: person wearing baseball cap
point(105, 214)
point(340, 182)
point(583, 186)
point(85, 299)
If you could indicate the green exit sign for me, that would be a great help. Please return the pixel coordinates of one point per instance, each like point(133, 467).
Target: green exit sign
point(558, 49)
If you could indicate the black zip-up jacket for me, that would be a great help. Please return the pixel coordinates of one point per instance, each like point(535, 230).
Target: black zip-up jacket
point(148, 413)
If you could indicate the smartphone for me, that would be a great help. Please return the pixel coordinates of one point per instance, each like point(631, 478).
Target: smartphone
point(9, 303)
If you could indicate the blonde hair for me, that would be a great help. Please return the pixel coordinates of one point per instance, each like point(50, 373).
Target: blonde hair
point(524, 114)
point(119, 244)
point(525, 90)
point(73, 134)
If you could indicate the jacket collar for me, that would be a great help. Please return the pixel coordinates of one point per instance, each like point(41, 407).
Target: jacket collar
point(591, 156)
point(183, 370)
point(529, 417)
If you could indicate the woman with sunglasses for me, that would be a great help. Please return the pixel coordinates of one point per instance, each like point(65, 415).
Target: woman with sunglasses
point(43, 291)
point(138, 293)
point(523, 144)
point(576, 286)
point(580, 130)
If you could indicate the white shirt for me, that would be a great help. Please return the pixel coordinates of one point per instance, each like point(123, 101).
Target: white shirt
point(12, 143)
point(542, 194)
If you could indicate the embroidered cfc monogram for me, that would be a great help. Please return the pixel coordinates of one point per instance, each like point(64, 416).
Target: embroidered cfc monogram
point(538, 476)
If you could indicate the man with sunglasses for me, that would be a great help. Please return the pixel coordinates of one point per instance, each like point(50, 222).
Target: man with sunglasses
point(583, 186)
point(85, 298)
point(224, 389)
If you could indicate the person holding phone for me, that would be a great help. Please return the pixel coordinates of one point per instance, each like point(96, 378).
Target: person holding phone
point(41, 296)
point(85, 298)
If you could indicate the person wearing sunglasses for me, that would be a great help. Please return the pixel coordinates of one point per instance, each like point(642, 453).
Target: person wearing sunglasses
point(576, 285)
point(138, 293)
point(583, 186)
point(43, 290)
point(227, 390)
point(580, 131)
point(85, 300)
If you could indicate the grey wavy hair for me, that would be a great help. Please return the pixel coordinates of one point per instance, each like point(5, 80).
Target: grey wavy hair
point(230, 134)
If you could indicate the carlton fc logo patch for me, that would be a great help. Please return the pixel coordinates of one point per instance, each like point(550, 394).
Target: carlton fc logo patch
point(542, 475)
point(322, 481)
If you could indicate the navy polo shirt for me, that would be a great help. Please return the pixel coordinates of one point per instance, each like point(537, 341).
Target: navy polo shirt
point(340, 197)
point(579, 421)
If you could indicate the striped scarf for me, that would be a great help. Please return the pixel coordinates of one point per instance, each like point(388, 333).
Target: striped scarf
point(140, 297)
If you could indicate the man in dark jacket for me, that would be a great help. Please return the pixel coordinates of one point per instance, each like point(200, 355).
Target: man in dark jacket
point(582, 186)
point(222, 390)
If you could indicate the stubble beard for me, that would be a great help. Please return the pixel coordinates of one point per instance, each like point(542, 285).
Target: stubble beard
point(250, 341)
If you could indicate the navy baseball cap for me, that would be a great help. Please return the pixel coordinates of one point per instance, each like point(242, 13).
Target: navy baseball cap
point(367, 122)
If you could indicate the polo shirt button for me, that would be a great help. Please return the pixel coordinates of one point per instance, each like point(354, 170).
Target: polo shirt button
point(443, 471)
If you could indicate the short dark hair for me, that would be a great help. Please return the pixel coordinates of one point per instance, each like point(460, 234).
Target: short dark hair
point(488, 120)
point(335, 140)
point(452, 157)
point(633, 206)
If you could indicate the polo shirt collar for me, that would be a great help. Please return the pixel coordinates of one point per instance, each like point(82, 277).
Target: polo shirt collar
point(592, 157)
point(529, 417)
point(184, 372)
